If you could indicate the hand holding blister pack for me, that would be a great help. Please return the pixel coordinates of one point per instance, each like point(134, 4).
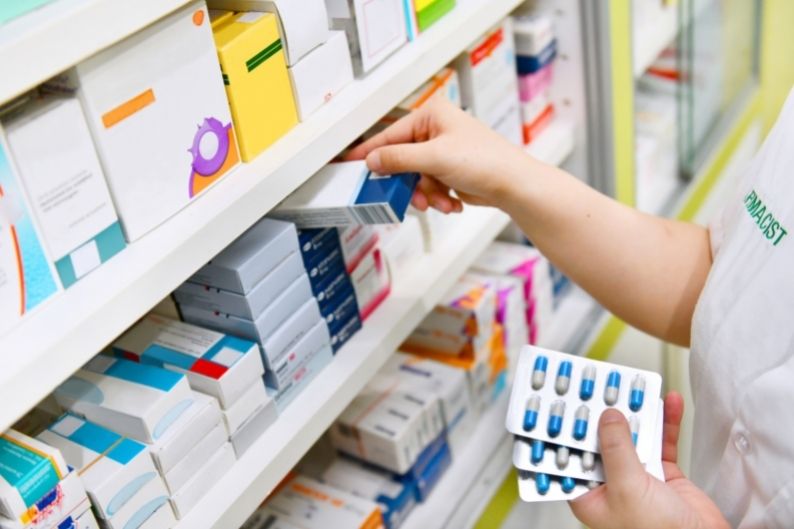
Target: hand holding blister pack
point(555, 406)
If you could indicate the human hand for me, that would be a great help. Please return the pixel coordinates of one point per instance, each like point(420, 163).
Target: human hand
point(451, 150)
point(632, 498)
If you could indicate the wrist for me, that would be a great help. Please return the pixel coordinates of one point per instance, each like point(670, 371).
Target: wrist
point(520, 184)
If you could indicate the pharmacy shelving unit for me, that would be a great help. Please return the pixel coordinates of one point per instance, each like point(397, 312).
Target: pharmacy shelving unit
point(55, 340)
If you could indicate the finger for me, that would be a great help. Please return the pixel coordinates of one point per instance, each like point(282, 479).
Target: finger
point(402, 131)
point(441, 202)
point(419, 200)
point(592, 508)
point(403, 158)
point(673, 412)
point(618, 455)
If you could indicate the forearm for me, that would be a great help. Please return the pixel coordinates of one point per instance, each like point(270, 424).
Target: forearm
point(647, 270)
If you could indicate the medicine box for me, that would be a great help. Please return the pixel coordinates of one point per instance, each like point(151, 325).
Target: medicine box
point(67, 499)
point(251, 257)
point(511, 310)
point(160, 121)
point(266, 518)
point(12, 10)
point(343, 322)
point(356, 242)
point(86, 519)
point(532, 129)
point(312, 341)
point(254, 73)
point(193, 425)
point(318, 244)
point(247, 306)
point(266, 323)
point(429, 467)
point(216, 364)
point(533, 84)
point(428, 12)
point(254, 398)
point(113, 469)
point(253, 428)
point(345, 193)
point(333, 291)
point(278, 344)
point(303, 24)
point(529, 64)
point(313, 505)
point(401, 244)
point(210, 472)
point(26, 279)
point(29, 470)
point(219, 16)
point(135, 400)
point(533, 33)
point(65, 189)
point(142, 506)
point(200, 450)
point(321, 74)
point(162, 518)
point(302, 376)
point(395, 498)
point(375, 29)
point(371, 281)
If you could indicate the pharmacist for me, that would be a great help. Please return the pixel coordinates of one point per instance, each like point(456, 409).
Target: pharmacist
point(726, 291)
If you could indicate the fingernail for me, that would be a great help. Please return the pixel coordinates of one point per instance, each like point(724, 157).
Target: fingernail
point(610, 416)
point(373, 161)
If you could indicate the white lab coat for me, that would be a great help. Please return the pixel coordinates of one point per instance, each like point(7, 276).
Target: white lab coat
point(742, 361)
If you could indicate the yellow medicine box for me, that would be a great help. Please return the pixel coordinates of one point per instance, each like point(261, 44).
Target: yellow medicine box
point(255, 75)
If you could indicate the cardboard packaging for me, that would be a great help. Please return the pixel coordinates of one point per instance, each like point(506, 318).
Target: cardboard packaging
point(162, 518)
point(302, 375)
point(253, 428)
point(313, 505)
point(12, 10)
point(429, 467)
point(529, 64)
point(192, 492)
point(421, 14)
point(321, 74)
point(26, 279)
point(375, 29)
point(401, 244)
point(345, 193)
point(136, 400)
point(511, 310)
point(315, 339)
point(65, 189)
point(160, 121)
point(200, 450)
point(248, 306)
point(114, 470)
point(356, 242)
point(371, 281)
point(303, 24)
point(255, 75)
point(219, 16)
point(343, 320)
point(250, 258)
point(266, 518)
point(277, 346)
point(534, 84)
point(216, 364)
point(533, 33)
point(253, 399)
point(142, 508)
point(29, 471)
point(64, 502)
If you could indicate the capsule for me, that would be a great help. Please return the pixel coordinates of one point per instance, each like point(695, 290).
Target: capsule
point(539, 372)
point(562, 456)
point(637, 394)
point(542, 483)
point(613, 388)
point(555, 418)
point(538, 447)
point(581, 418)
point(587, 387)
point(592, 484)
point(568, 484)
point(563, 378)
point(634, 426)
point(588, 461)
point(531, 413)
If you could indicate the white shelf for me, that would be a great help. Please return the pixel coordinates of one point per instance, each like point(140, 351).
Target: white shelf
point(51, 343)
point(232, 499)
point(50, 39)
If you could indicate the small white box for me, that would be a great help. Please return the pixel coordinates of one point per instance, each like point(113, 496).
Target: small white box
point(143, 505)
point(191, 493)
point(214, 363)
point(66, 189)
point(302, 375)
point(314, 340)
point(200, 451)
point(192, 426)
point(356, 241)
point(160, 121)
point(266, 518)
point(321, 74)
point(533, 33)
point(135, 400)
point(401, 244)
point(253, 428)
point(86, 520)
point(290, 333)
point(345, 193)
point(375, 29)
point(113, 469)
point(302, 24)
point(371, 282)
point(253, 399)
point(66, 500)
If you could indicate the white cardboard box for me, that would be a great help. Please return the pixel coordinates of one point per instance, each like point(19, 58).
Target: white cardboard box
point(199, 452)
point(253, 428)
point(66, 189)
point(160, 121)
point(214, 363)
point(312, 341)
point(66, 503)
point(401, 244)
point(210, 472)
point(135, 400)
point(290, 333)
point(143, 505)
point(302, 376)
point(371, 282)
point(321, 74)
point(356, 241)
point(253, 399)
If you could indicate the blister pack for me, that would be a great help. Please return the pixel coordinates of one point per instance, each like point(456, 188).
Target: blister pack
point(558, 398)
point(534, 487)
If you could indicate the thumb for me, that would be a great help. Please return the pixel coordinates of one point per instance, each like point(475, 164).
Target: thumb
point(402, 158)
point(618, 455)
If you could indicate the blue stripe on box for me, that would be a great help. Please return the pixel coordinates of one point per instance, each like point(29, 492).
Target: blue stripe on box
point(527, 64)
point(229, 342)
point(395, 190)
point(99, 439)
point(146, 375)
point(158, 355)
point(125, 451)
point(109, 242)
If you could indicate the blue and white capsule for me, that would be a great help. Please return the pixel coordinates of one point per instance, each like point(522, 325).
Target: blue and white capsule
point(587, 386)
point(634, 426)
point(531, 413)
point(581, 418)
point(556, 414)
point(562, 457)
point(539, 372)
point(538, 449)
point(612, 389)
point(568, 484)
point(542, 483)
point(637, 395)
point(588, 461)
point(563, 381)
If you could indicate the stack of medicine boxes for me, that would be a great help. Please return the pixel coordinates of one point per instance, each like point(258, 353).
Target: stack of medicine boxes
point(258, 289)
point(421, 14)
point(317, 60)
point(536, 49)
point(37, 488)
